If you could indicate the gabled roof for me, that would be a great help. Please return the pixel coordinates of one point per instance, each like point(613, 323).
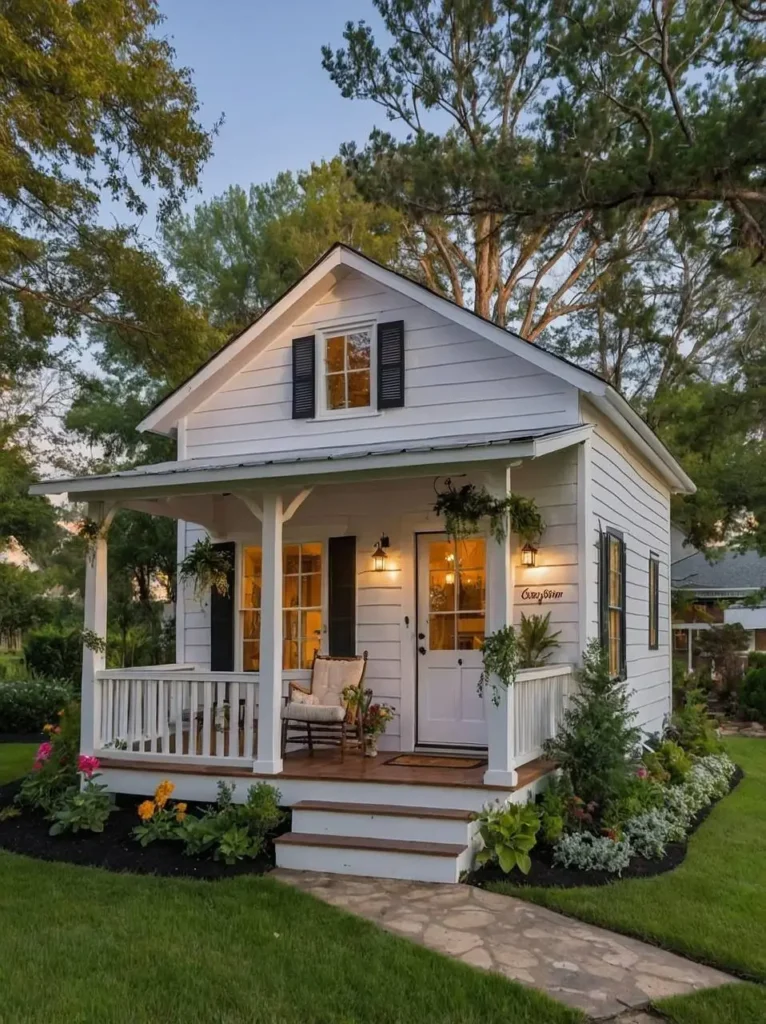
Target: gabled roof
point(321, 277)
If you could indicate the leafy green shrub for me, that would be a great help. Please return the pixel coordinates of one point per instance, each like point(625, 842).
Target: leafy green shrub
point(86, 809)
point(227, 830)
point(586, 852)
point(668, 763)
point(638, 796)
point(692, 728)
point(508, 833)
point(752, 694)
point(536, 642)
point(27, 705)
point(756, 659)
point(597, 741)
point(55, 767)
point(552, 811)
point(55, 651)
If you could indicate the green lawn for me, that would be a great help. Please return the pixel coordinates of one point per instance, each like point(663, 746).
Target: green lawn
point(15, 760)
point(82, 945)
point(712, 908)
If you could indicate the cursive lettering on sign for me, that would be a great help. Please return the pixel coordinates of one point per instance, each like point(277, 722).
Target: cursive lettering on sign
point(528, 594)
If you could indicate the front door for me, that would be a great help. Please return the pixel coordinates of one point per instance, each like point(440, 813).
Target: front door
point(451, 615)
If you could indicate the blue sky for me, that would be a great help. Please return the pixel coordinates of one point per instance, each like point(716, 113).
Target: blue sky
point(259, 63)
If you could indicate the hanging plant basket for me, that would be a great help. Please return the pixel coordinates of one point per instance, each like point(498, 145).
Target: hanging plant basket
point(208, 568)
point(500, 662)
point(465, 507)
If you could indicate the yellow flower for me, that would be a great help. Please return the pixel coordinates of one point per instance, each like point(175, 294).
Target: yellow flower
point(180, 812)
point(162, 793)
point(146, 810)
point(61, 713)
point(48, 728)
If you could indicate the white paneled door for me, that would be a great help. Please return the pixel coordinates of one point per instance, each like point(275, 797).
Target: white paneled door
point(451, 620)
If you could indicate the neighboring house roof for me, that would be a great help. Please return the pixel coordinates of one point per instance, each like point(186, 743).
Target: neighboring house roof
point(732, 575)
point(340, 259)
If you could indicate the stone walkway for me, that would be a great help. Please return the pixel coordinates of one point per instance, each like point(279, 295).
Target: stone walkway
point(592, 969)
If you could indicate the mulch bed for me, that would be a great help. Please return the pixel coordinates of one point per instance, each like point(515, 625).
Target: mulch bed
point(545, 874)
point(115, 849)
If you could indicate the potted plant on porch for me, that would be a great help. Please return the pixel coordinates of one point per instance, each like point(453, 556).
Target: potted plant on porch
point(375, 717)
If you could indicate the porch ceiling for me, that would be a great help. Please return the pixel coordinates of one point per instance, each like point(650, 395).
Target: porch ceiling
point(160, 484)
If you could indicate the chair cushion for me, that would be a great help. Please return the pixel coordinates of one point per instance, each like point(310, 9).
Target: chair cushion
point(332, 675)
point(299, 697)
point(314, 712)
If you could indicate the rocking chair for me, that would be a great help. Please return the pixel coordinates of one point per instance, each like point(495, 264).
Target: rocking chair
point(319, 715)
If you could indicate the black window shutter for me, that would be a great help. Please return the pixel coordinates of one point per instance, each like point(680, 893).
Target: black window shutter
point(603, 589)
point(222, 620)
point(624, 613)
point(391, 365)
point(342, 596)
point(304, 371)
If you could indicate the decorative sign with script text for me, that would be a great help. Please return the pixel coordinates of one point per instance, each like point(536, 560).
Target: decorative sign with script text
point(542, 595)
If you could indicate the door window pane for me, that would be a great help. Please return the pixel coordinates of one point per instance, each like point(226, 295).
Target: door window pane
point(442, 633)
point(457, 584)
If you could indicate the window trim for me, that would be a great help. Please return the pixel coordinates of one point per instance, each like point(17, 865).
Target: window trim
point(605, 608)
point(369, 324)
point(654, 601)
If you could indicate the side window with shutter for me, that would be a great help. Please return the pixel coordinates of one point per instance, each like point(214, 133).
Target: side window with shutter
point(612, 600)
point(304, 373)
point(391, 365)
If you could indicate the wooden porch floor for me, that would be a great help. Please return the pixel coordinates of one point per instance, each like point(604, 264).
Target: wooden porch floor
point(326, 764)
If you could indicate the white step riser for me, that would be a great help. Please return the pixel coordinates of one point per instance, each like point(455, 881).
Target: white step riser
point(372, 863)
point(383, 826)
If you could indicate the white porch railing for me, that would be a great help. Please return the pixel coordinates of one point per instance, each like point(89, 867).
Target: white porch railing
point(539, 698)
point(177, 712)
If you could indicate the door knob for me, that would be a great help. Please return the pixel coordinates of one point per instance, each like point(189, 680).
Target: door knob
point(421, 636)
point(460, 661)
point(422, 650)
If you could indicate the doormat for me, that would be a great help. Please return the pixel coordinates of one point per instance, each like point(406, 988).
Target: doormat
point(435, 761)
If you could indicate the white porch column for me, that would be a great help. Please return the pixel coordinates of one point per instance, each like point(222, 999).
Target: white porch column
point(95, 621)
point(269, 760)
point(501, 767)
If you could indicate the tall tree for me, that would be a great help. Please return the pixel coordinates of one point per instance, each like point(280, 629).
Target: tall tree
point(237, 253)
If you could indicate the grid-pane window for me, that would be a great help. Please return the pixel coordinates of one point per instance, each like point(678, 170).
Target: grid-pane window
point(654, 602)
point(613, 601)
point(456, 594)
point(301, 606)
point(348, 370)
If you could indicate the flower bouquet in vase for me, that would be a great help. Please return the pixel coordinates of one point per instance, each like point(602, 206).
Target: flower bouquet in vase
point(375, 717)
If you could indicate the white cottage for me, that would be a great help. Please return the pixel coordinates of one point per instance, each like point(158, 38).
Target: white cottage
point(320, 429)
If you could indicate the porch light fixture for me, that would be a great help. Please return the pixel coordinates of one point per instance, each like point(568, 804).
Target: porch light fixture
point(528, 555)
point(379, 555)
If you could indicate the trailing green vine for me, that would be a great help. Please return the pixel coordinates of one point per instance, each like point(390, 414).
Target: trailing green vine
point(465, 507)
point(208, 567)
point(500, 658)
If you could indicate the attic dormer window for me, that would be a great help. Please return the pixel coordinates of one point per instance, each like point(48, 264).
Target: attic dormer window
point(348, 367)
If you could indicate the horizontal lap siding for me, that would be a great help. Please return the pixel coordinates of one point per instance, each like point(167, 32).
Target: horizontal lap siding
point(455, 383)
point(552, 482)
point(629, 497)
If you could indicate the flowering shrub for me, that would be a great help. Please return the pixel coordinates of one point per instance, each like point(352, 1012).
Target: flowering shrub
point(27, 704)
point(55, 767)
point(160, 820)
point(650, 833)
point(85, 808)
point(587, 852)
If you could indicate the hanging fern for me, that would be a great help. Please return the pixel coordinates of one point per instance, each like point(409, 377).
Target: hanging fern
point(208, 567)
point(464, 509)
point(500, 657)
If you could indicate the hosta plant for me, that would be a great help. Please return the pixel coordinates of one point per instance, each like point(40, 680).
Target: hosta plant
point(508, 833)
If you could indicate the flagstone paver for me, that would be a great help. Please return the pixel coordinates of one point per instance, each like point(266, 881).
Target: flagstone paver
point(592, 969)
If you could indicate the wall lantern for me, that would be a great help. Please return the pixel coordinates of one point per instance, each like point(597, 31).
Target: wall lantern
point(528, 555)
point(379, 555)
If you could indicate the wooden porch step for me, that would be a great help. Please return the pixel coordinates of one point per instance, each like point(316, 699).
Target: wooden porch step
point(384, 810)
point(361, 843)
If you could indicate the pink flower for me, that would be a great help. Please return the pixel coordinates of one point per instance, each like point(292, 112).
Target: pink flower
point(44, 751)
point(87, 765)
point(642, 772)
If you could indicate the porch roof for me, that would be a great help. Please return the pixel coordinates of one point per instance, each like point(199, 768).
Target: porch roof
point(316, 464)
